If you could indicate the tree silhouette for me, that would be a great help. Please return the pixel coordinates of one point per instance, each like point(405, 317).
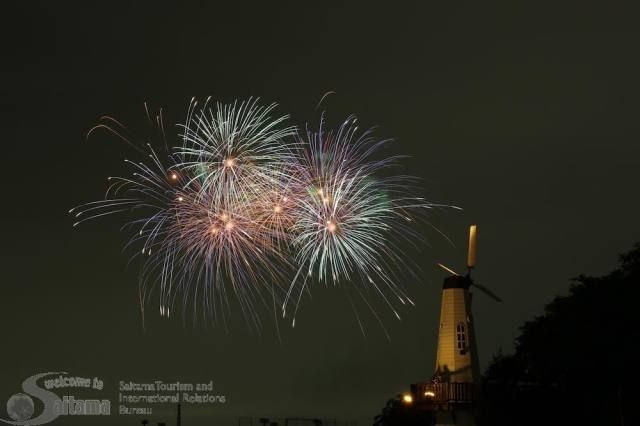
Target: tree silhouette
point(395, 413)
point(576, 363)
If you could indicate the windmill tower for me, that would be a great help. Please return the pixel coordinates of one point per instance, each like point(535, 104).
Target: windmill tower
point(453, 389)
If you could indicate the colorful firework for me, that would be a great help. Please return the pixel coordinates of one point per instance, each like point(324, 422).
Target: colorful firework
point(351, 219)
point(197, 215)
point(246, 207)
point(235, 150)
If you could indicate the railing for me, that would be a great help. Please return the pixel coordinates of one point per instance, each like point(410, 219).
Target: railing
point(444, 393)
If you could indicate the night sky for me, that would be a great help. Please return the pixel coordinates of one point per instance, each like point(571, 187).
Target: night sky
point(525, 116)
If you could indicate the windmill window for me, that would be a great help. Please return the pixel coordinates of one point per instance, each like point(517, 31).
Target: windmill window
point(461, 338)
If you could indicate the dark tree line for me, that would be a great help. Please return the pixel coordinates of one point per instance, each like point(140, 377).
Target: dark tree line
point(395, 412)
point(577, 364)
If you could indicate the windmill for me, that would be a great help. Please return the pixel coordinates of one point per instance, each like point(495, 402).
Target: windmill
point(457, 354)
point(452, 391)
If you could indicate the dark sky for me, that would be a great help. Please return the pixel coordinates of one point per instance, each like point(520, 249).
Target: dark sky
point(525, 116)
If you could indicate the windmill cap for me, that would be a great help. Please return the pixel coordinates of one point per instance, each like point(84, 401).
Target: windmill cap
point(456, 281)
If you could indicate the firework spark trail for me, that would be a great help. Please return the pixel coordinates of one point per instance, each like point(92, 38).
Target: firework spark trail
point(235, 149)
point(350, 223)
point(250, 209)
point(198, 230)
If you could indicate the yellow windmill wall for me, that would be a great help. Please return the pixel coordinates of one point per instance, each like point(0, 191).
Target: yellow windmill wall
point(450, 364)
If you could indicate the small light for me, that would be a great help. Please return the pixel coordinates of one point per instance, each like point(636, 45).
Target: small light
point(228, 226)
point(229, 162)
point(214, 230)
point(174, 176)
point(407, 398)
point(224, 217)
point(429, 394)
point(285, 199)
point(331, 226)
point(277, 209)
point(180, 198)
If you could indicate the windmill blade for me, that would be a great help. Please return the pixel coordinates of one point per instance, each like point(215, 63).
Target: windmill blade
point(449, 270)
point(488, 292)
point(471, 254)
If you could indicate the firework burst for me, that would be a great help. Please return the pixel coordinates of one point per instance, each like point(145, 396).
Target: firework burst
point(199, 214)
point(236, 150)
point(246, 207)
point(351, 218)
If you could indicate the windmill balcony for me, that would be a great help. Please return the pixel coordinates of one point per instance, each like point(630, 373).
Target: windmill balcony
point(444, 395)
